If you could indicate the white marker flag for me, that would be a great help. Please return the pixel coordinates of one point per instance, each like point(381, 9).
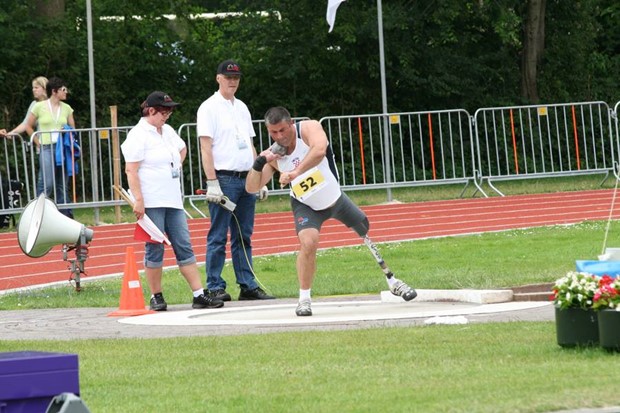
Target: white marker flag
point(332, 6)
point(145, 229)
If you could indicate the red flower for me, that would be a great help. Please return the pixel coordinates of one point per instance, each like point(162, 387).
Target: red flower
point(607, 295)
point(605, 280)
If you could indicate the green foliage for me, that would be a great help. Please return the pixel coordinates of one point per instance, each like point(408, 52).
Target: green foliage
point(438, 55)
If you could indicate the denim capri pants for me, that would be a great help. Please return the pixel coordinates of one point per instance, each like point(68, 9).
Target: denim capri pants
point(173, 223)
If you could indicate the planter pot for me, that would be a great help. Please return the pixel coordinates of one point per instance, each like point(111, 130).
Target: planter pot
point(609, 329)
point(576, 327)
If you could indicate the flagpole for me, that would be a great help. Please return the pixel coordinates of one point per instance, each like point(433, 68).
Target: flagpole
point(93, 110)
point(91, 63)
point(386, 130)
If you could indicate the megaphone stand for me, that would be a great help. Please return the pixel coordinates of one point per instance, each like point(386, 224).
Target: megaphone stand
point(42, 226)
point(76, 266)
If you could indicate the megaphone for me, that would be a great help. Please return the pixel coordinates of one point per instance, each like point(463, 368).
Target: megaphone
point(42, 226)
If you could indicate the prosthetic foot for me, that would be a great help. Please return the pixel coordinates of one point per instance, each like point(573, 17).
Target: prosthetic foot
point(397, 287)
point(401, 289)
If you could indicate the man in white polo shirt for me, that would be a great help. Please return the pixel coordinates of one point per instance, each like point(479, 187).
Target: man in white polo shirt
point(224, 125)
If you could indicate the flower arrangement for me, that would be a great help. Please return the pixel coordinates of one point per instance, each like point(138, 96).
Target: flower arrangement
point(575, 290)
point(607, 294)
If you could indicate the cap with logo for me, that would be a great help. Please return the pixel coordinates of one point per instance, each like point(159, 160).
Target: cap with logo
point(158, 98)
point(228, 67)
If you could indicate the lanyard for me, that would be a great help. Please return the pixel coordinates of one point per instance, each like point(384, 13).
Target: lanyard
point(49, 104)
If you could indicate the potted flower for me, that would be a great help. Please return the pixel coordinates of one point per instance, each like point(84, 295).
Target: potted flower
point(575, 319)
point(607, 294)
point(607, 302)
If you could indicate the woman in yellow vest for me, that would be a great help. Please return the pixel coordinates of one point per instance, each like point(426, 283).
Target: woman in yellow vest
point(51, 115)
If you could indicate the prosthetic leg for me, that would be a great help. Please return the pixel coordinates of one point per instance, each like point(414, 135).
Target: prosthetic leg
point(397, 287)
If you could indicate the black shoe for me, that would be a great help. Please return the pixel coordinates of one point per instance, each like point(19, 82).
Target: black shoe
point(158, 303)
point(255, 294)
point(202, 301)
point(220, 294)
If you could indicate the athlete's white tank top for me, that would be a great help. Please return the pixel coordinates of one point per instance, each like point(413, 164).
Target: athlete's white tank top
point(317, 187)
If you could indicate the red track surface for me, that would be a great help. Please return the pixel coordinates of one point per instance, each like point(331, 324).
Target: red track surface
point(274, 233)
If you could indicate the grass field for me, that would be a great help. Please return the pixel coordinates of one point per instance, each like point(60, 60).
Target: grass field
point(494, 367)
point(486, 368)
point(489, 260)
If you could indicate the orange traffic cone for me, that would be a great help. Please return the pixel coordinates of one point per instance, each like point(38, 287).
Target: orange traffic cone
point(132, 299)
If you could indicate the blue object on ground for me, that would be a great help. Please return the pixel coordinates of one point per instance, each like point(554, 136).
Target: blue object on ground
point(600, 268)
point(29, 380)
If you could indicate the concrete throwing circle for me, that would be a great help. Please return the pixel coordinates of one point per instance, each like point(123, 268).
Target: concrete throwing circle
point(324, 312)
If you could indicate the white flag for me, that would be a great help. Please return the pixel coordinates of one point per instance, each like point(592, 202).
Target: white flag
point(332, 6)
point(145, 229)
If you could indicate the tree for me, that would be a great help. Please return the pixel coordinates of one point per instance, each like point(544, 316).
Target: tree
point(438, 55)
point(49, 9)
point(533, 47)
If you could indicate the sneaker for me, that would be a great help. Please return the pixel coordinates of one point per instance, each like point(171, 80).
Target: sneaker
point(220, 294)
point(203, 301)
point(303, 308)
point(158, 303)
point(255, 294)
point(401, 289)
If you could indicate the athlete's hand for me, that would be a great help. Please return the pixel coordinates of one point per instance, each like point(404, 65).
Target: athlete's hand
point(287, 177)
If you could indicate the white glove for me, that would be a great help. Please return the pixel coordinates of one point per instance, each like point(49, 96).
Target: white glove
point(214, 192)
point(263, 193)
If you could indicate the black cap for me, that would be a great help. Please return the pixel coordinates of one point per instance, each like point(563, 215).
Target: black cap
point(160, 99)
point(228, 67)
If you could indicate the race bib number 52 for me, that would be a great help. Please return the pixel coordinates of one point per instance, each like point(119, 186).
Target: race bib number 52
point(307, 184)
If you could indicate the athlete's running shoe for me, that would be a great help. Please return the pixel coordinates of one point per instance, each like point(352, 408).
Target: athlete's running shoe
point(304, 308)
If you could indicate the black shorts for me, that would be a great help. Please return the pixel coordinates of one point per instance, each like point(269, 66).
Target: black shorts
point(343, 210)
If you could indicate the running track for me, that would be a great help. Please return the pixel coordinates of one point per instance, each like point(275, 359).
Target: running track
point(274, 233)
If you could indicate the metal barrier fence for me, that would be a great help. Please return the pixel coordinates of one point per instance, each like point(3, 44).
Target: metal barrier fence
point(416, 148)
point(544, 140)
point(617, 135)
point(423, 148)
point(14, 171)
point(372, 151)
point(98, 166)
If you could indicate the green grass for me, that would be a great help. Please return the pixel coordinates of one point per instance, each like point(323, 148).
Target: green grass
point(501, 367)
point(483, 261)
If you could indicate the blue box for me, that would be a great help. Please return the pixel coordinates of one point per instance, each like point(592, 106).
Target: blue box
point(29, 380)
point(600, 268)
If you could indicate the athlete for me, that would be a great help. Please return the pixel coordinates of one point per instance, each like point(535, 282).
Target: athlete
point(302, 155)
